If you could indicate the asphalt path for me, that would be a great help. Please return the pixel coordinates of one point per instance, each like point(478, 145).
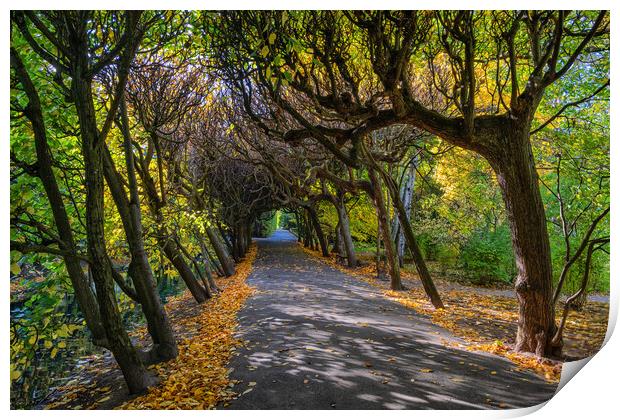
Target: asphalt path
point(317, 338)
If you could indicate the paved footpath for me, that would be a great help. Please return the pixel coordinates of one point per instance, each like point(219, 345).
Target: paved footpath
point(320, 339)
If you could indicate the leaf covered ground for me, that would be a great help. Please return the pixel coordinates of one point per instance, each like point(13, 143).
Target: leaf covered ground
point(197, 378)
point(488, 322)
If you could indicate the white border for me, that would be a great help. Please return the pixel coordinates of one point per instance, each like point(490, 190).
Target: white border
point(592, 394)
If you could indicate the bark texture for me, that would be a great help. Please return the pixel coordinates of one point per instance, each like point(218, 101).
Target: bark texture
point(384, 223)
point(514, 166)
point(85, 297)
point(134, 372)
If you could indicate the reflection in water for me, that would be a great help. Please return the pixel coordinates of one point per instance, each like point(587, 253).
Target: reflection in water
point(46, 372)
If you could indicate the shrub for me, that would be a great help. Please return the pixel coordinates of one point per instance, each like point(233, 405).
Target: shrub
point(487, 257)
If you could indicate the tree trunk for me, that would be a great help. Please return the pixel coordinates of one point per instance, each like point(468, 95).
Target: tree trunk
point(345, 231)
point(224, 258)
point(378, 249)
point(246, 234)
point(164, 343)
point(225, 238)
point(134, 372)
point(167, 241)
point(416, 253)
point(237, 243)
point(207, 262)
point(407, 198)
point(170, 250)
point(245, 228)
point(319, 230)
point(298, 227)
point(216, 264)
point(305, 233)
point(384, 223)
point(240, 241)
point(83, 293)
point(514, 165)
point(337, 248)
point(194, 262)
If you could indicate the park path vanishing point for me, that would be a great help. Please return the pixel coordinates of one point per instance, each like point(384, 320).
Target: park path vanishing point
point(317, 338)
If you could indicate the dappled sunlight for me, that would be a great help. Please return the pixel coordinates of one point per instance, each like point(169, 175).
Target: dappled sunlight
point(314, 336)
point(487, 321)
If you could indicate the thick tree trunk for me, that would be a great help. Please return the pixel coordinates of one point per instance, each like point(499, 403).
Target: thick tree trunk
point(134, 372)
point(84, 295)
point(158, 324)
point(224, 258)
point(514, 165)
point(164, 343)
point(384, 223)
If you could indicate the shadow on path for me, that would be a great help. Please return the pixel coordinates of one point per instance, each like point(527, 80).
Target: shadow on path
point(320, 339)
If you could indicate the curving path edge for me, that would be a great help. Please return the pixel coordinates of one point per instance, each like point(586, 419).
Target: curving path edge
point(317, 338)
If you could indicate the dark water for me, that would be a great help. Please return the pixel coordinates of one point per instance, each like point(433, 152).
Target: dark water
point(46, 373)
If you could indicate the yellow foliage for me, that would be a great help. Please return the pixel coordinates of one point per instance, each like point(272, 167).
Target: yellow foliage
point(198, 377)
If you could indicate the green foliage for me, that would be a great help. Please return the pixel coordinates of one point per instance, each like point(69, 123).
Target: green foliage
point(266, 224)
point(573, 152)
point(362, 219)
point(287, 221)
point(45, 326)
point(487, 256)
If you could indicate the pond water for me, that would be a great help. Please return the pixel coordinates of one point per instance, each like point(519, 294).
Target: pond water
point(46, 372)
